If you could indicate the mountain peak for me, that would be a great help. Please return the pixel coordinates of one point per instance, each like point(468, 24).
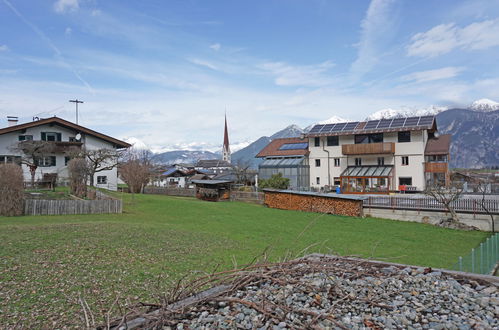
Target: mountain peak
point(334, 120)
point(484, 105)
point(390, 113)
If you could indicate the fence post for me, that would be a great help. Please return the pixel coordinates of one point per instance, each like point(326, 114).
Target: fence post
point(472, 260)
point(481, 258)
point(460, 264)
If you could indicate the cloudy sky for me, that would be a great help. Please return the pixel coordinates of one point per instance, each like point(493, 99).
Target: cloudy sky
point(166, 71)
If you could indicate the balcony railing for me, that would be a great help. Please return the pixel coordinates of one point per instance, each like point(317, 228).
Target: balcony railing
point(436, 167)
point(64, 146)
point(368, 148)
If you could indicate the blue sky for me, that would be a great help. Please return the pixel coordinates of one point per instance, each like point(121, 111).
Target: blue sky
point(166, 71)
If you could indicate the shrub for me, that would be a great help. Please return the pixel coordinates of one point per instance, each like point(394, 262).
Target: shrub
point(79, 171)
point(276, 181)
point(11, 190)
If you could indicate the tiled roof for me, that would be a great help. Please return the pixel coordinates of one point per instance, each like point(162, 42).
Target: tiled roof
point(439, 145)
point(208, 163)
point(273, 148)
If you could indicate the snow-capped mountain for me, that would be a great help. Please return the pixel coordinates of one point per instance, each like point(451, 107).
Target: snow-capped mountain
point(334, 120)
point(137, 144)
point(405, 112)
point(484, 105)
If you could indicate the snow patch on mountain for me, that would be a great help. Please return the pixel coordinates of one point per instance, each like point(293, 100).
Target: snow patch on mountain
point(136, 143)
point(334, 120)
point(484, 105)
point(390, 113)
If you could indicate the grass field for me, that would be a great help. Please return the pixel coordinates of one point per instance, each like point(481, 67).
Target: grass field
point(48, 262)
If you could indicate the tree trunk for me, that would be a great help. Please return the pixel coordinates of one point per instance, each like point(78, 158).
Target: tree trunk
point(92, 179)
point(32, 170)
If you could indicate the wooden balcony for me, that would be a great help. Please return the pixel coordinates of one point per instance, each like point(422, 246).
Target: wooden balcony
point(63, 146)
point(368, 148)
point(431, 167)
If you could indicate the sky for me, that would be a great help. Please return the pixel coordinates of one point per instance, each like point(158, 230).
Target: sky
point(166, 72)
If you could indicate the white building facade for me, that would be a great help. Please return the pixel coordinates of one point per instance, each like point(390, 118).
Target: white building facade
point(64, 135)
point(375, 156)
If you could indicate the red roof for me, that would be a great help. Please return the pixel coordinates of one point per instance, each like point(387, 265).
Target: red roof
point(438, 145)
point(272, 149)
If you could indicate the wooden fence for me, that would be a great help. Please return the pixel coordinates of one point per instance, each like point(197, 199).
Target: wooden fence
point(249, 197)
point(69, 206)
point(469, 205)
point(184, 192)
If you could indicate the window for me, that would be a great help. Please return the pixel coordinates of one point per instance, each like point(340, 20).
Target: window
point(317, 163)
point(405, 181)
point(10, 159)
point(332, 141)
point(46, 161)
point(337, 181)
point(318, 180)
point(368, 138)
point(72, 139)
point(317, 141)
point(66, 160)
point(404, 136)
point(358, 161)
point(51, 136)
point(381, 161)
point(25, 137)
point(405, 160)
point(101, 179)
point(336, 162)
point(437, 158)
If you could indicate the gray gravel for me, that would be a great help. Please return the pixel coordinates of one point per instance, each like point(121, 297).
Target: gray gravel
point(365, 296)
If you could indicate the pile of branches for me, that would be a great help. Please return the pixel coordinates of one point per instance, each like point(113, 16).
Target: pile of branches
point(186, 296)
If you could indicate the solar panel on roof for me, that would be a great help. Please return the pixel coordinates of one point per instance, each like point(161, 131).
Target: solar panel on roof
point(316, 128)
point(384, 123)
point(410, 122)
point(338, 127)
point(350, 126)
point(294, 146)
point(427, 120)
point(398, 122)
point(327, 128)
point(371, 124)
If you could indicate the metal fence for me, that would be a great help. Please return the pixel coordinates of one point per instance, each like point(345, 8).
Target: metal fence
point(471, 205)
point(185, 192)
point(68, 206)
point(483, 259)
point(247, 196)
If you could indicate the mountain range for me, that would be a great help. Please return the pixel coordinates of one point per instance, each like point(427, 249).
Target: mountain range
point(474, 129)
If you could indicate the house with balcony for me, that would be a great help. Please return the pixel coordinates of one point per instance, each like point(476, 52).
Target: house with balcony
point(62, 136)
point(378, 156)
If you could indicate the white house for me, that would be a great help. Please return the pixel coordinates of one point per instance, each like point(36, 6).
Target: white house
point(64, 135)
point(378, 156)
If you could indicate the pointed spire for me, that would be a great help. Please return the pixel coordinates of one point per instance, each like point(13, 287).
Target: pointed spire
point(226, 147)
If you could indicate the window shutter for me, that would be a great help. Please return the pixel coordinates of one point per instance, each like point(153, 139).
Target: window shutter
point(44, 136)
point(36, 161)
point(59, 137)
point(52, 160)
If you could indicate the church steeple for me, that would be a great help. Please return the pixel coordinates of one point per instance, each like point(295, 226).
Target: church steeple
point(226, 147)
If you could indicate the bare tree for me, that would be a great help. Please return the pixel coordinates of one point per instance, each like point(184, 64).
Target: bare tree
point(242, 172)
point(446, 196)
point(79, 170)
point(31, 154)
point(136, 170)
point(98, 159)
point(11, 190)
point(484, 190)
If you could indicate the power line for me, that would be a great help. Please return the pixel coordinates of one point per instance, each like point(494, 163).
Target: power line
point(76, 101)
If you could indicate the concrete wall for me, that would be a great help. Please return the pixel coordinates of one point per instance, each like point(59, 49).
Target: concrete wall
point(481, 221)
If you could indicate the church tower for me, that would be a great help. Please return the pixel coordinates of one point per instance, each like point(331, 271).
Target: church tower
point(226, 148)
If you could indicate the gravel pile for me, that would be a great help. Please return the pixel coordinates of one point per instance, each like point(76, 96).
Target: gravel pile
point(339, 293)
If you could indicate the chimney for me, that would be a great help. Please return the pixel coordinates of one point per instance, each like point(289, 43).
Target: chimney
point(12, 120)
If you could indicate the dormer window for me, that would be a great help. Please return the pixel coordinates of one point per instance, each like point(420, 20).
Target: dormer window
point(51, 136)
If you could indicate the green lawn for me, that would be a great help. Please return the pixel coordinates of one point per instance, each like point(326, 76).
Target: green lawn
point(47, 262)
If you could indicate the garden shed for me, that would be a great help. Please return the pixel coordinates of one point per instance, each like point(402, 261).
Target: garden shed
point(212, 190)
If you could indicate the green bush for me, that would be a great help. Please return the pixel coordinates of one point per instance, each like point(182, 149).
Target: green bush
point(276, 181)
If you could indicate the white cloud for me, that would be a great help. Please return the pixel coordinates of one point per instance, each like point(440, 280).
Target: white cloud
point(216, 46)
point(430, 75)
point(445, 38)
point(202, 63)
point(4, 48)
point(376, 29)
point(96, 12)
point(63, 6)
point(306, 75)
point(68, 31)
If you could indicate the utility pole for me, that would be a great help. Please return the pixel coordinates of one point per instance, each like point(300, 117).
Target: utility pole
point(76, 101)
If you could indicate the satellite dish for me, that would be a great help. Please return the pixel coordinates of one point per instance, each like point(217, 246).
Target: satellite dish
point(78, 137)
point(436, 134)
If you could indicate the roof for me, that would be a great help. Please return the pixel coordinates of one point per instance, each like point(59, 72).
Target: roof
point(275, 148)
point(207, 163)
point(282, 162)
point(375, 126)
point(210, 181)
point(368, 171)
point(198, 177)
point(439, 145)
point(67, 124)
point(171, 171)
point(309, 193)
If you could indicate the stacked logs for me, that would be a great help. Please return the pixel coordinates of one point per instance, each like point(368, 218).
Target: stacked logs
point(313, 203)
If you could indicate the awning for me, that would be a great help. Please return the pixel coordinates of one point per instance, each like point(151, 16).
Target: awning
point(368, 171)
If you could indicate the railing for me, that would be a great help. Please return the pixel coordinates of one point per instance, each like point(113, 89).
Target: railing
point(435, 167)
point(368, 148)
point(427, 203)
point(185, 192)
point(64, 207)
point(481, 260)
point(245, 196)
